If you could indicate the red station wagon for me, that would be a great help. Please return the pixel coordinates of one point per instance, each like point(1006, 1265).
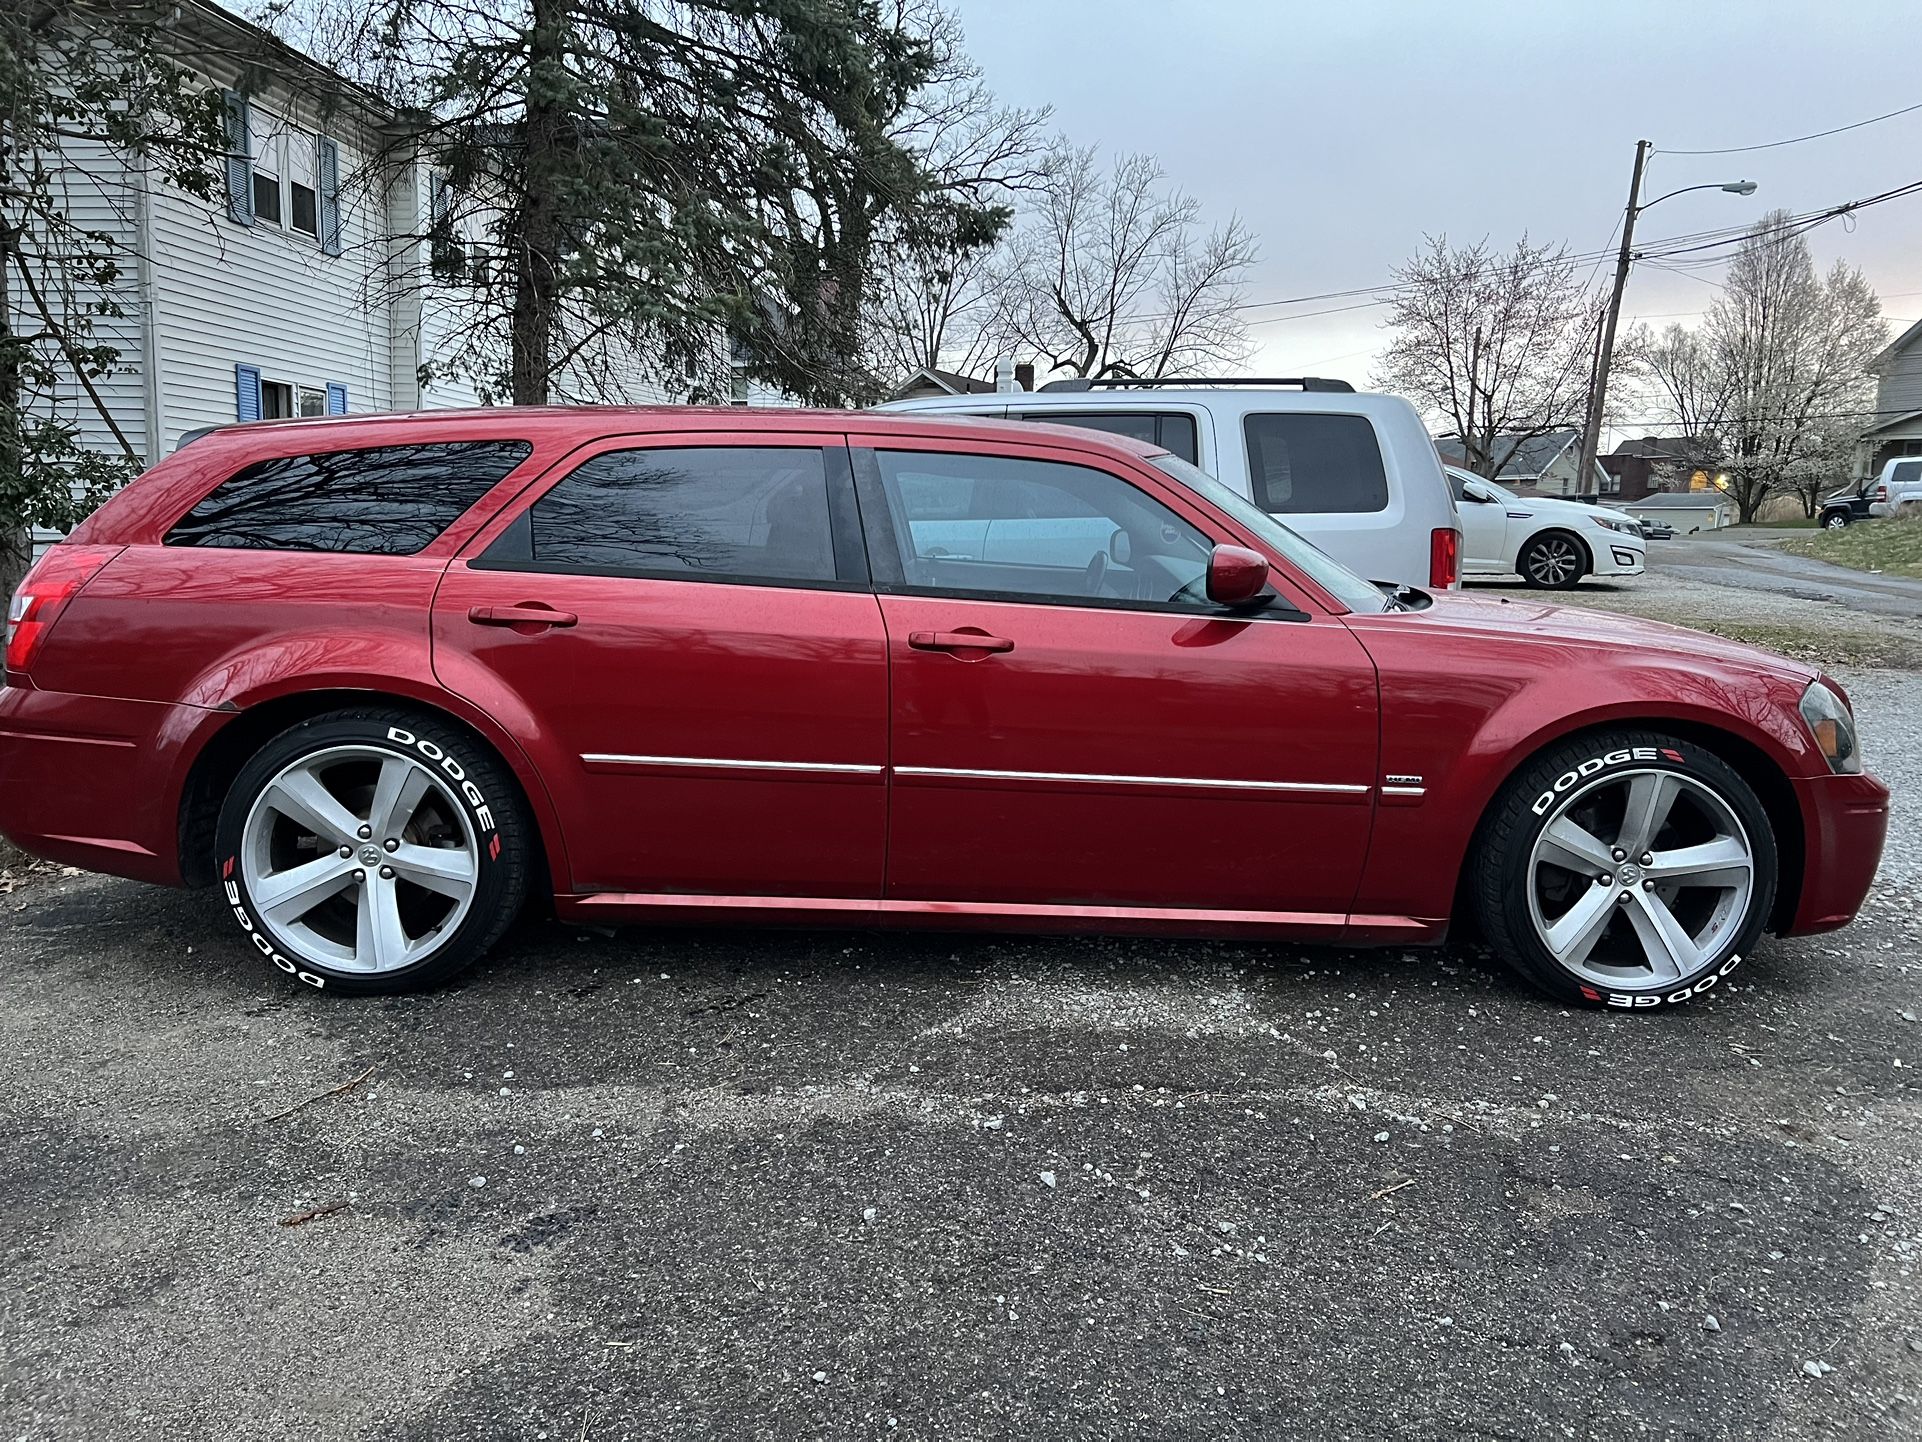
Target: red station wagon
point(384, 680)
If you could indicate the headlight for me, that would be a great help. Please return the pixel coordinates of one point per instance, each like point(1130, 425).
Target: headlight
point(1609, 523)
point(1832, 726)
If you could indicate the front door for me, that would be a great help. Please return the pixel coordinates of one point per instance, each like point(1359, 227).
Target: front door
point(1075, 724)
point(685, 625)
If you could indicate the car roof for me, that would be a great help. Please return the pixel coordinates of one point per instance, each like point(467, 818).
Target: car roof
point(589, 422)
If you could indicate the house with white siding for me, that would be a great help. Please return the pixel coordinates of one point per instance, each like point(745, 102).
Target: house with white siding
point(1897, 428)
point(306, 289)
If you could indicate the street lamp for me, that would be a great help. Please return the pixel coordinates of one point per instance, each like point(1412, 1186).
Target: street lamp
point(1598, 393)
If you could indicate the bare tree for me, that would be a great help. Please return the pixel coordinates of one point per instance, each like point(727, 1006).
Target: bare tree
point(932, 289)
point(1776, 377)
point(1111, 275)
point(1497, 348)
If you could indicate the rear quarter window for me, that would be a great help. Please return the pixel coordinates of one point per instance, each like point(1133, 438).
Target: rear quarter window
point(381, 501)
point(1308, 464)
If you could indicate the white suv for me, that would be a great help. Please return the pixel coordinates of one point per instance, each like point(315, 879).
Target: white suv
point(1353, 472)
point(1547, 542)
point(1898, 490)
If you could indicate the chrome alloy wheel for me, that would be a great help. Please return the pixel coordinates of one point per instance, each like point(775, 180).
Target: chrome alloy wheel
point(1639, 877)
point(1553, 561)
point(360, 859)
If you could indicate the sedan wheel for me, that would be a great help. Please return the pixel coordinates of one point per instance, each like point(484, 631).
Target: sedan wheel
point(1553, 562)
point(372, 851)
point(1835, 520)
point(1627, 870)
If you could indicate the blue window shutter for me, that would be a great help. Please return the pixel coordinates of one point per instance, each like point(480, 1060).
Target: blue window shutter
point(247, 393)
point(336, 399)
point(329, 196)
point(240, 162)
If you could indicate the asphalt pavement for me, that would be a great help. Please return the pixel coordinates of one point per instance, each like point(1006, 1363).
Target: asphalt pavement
point(677, 1184)
point(1747, 559)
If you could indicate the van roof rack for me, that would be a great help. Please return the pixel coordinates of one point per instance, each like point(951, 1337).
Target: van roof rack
point(1306, 383)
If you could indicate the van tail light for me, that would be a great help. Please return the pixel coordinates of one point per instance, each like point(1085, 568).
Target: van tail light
point(54, 580)
point(1444, 557)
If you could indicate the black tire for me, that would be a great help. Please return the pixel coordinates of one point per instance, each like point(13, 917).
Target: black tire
point(1554, 561)
point(1502, 887)
point(1835, 520)
point(497, 831)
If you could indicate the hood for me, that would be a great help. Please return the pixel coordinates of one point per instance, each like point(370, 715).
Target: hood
point(1569, 510)
point(1525, 617)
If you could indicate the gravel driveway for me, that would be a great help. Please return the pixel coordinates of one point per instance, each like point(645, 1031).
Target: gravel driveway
point(733, 1183)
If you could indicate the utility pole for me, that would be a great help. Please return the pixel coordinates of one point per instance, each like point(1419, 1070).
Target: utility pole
point(1598, 392)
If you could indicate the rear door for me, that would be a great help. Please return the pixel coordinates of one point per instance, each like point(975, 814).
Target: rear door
point(687, 621)
point(1074, 724)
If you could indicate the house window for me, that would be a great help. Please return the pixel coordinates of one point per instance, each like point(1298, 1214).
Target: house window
point(276, 400)
point(313, 401)
point(303, 190)
point(267, 151)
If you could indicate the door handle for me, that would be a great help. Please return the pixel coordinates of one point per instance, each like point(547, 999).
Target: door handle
point(958, 641)
point(526, 614)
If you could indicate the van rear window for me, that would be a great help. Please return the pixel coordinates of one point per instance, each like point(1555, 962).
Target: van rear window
point(1171, 430)
point(383, 501)
point(1308, 464)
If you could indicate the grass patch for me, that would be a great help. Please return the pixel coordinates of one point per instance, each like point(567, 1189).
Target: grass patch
point(1892, 547)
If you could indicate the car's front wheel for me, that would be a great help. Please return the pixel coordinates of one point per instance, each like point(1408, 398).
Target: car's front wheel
point(1553, 561)
point(1625, 869)
point(373, 850)
point(1835, 520)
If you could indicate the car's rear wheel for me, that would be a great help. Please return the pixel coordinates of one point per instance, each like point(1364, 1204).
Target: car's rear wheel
point(373, 850)
point(1626, 869)
point(1553, 561)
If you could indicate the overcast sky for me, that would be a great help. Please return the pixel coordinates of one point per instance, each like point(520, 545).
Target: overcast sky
point(1343, 133)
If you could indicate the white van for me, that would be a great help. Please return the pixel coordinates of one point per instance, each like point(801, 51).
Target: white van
point(1354, 472)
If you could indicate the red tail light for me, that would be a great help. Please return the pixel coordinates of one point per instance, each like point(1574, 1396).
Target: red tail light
point(52, 582)
point(1444, 557)
point(1881, 493)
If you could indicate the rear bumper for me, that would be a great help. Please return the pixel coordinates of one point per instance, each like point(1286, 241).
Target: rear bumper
point(1845, 820)
point(82, 782)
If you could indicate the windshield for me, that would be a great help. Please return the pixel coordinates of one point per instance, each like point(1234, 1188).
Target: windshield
point(1321, 568)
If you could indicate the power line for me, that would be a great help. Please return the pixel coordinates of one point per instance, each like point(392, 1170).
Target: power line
point(1798, 139)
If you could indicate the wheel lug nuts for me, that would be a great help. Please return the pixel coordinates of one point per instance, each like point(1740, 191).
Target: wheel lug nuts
point(1648, 886)
point(346, 851)
point(1620, 855)
point(360, 876)
point(365, 832)
point(391, 844)
point(1648, 858)
point(387, 873)
point(1624, 898)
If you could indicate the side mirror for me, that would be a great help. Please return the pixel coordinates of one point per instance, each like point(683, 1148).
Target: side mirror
point(1236, 575)
point(1475, 496)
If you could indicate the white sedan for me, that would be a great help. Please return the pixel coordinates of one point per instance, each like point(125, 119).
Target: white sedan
point(1548, 543)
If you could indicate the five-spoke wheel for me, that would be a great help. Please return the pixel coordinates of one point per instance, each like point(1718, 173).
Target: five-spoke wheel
point(1626, 869)
point(362, 851)
point(360, 858)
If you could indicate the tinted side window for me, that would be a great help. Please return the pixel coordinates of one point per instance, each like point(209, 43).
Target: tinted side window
point(1306, 464)
point(1907, 471)
point(385, 501)
point(995, 525)
point(1171, 430)
point(724, 513)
